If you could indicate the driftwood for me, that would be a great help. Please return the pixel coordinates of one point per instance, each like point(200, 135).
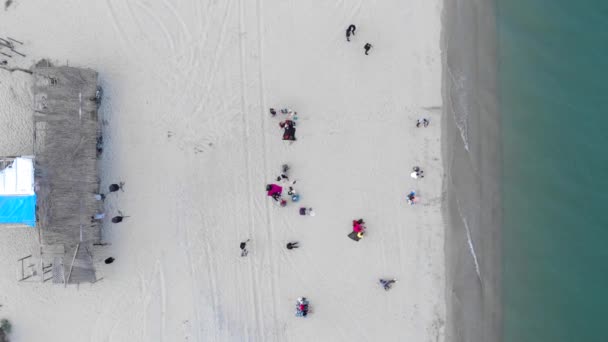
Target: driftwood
point(16, 69)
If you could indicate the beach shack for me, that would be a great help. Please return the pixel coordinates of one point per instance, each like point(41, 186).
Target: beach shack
point(55, 190)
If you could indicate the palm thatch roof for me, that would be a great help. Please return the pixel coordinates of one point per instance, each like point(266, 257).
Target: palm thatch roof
point(66, 172)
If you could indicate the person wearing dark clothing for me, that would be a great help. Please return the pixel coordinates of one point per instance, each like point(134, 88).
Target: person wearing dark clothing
point(292, 245)
point(283, 176)
point(422, 121)
point(116, 187)
point(109, 260)
point(367, 46)
point(350, 30)
point(290, 133)
point(387, 283)
point(243, 247)
point(119, 217)
point(287, 123)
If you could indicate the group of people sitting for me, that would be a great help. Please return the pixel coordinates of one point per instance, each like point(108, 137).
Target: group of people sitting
point(302, 307)
point(276, 191)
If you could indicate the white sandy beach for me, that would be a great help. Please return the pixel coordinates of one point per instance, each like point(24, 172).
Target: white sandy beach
point(207, 72)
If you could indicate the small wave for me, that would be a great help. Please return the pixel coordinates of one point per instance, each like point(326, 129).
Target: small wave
point(459, 108)
point(469, 241)
point(472, 249)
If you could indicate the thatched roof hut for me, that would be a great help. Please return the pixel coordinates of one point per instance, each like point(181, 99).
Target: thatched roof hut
point(66, 128)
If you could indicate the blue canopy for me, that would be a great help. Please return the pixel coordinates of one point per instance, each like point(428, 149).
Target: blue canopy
point(18, 209)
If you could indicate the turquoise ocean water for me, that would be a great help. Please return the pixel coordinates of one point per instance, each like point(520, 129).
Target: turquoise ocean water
point(553, 65)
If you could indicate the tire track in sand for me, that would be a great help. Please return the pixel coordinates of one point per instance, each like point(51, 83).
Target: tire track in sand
point(214, 64)
point(186, 242)
point(124, 41)
point(262, 98)
point(254, 289)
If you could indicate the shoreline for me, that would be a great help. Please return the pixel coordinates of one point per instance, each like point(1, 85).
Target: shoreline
point(472, 157)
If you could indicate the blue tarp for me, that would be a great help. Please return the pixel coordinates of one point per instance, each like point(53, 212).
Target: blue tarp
point(18, 209)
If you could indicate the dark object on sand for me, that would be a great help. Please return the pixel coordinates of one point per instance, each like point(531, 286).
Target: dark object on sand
point(350, 30)
point(292, 245)
point(116, 187)
point(367, 47)
point(109, 260)
point(99, 145)
point(117, 219)
point(354, 236)
point(273, 112)
point(290, 133)
point(387, 283)
point(243, 247)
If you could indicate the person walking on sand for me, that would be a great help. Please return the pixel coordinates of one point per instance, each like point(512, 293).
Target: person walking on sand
point(367, 47)
point(387, 283)
point(350, 30)
point(243, 247)
point(292, 245)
